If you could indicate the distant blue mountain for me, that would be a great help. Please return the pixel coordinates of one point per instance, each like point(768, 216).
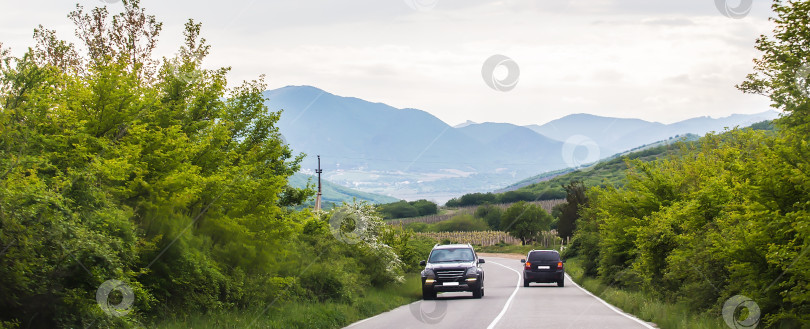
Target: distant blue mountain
point(411, 154)
point(351, 133)
point(614, 135)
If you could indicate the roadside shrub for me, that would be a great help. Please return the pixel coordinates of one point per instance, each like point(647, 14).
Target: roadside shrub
point(325, 283)
point(425, 207)
point(491, 215)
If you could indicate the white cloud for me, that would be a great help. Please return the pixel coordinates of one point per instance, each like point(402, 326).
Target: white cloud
point(656, 60)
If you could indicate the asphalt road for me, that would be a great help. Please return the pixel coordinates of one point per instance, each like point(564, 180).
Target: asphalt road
point(507, 304)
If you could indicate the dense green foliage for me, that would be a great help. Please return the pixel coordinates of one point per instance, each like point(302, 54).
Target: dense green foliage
point(405, 209)
point(525, 221)
point(477, 199)
point(568, 214)
point(118, 166)
point(728, 216)
point(491, 215)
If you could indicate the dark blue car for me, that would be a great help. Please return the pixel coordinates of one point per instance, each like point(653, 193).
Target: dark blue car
point(544, 266)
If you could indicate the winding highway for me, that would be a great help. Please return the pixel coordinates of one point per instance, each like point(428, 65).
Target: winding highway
point(507, 304)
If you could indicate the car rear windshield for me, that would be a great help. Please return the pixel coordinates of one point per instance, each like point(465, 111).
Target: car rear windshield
point(452, 255)
point(540, 256)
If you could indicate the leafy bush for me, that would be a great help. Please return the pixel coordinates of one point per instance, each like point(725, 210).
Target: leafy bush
point(728, 211)
point(115, 165)
point(425, 207)
point(404, 209)
point(524, 221)
point(491, 215)
point(401, 209)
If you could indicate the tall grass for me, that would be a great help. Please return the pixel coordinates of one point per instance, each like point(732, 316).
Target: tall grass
point(643, 305)
point(305, 314)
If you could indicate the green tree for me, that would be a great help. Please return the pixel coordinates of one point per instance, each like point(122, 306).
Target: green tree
point(401, 209)
point(117, 165)
point(524, 221)
point(569, 211)
point(425, 207)
point(515, 196)
point(783, 71)
point(490, 214)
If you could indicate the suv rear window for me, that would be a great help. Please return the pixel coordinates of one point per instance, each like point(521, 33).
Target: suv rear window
point(451, 255)
point(546, 256)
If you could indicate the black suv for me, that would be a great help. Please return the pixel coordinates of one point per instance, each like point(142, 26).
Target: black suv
point(543, 266)
point(452, 267)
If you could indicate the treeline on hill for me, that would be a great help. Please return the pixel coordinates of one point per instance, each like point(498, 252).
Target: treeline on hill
point(405, 209)
point(727, 216)
point(477, 199)
point(134, 189)
point(610, 172)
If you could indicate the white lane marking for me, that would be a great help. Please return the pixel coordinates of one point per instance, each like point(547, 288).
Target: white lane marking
point(508, 301)
point(622, 313)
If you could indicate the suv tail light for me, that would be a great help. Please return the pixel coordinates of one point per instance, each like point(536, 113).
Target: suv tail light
point(528, 266)
point(559, 265)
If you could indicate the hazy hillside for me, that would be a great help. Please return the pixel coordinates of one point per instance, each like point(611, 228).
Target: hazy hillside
point(614, 135)
point(412, 155)
point(610, 171)
point(378, 148)
point(336, 194)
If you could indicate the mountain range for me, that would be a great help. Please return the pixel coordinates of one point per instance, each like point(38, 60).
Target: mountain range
point(411, 154)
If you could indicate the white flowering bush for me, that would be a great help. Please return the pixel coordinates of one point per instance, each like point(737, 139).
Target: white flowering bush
point(359, 225)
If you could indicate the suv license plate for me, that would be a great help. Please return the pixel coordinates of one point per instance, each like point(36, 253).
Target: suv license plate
point(543, 267)
point(450, 283)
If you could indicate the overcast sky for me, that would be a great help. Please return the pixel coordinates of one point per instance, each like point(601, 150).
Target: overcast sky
point(658, 60)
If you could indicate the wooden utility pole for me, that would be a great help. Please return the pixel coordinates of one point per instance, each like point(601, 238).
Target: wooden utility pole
point(318, 199)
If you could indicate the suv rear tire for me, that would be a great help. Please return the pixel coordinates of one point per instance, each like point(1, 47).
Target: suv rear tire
point(525, 283)
point(561, 283)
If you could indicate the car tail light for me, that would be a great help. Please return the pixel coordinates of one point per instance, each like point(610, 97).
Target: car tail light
point(559, 265)
point(528, 266)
